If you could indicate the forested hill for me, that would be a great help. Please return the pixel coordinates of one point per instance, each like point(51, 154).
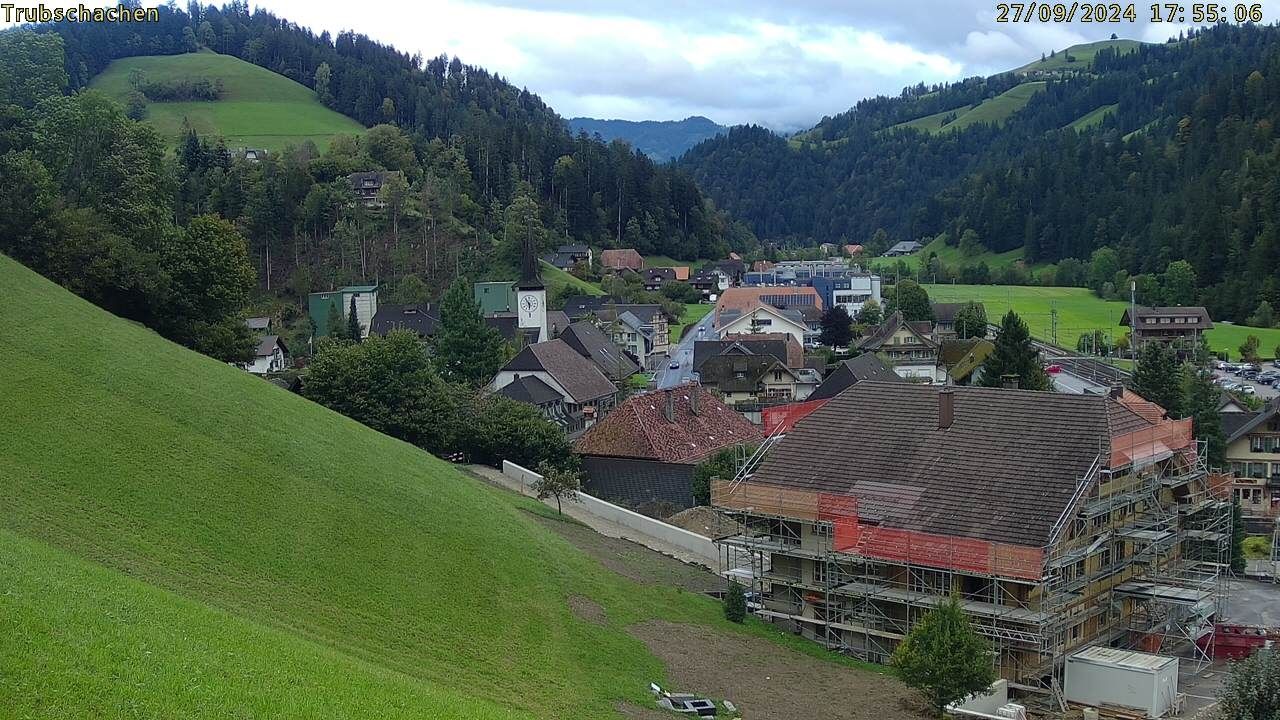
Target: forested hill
point(661, 140)
point(1161, 152)
point(512, 142)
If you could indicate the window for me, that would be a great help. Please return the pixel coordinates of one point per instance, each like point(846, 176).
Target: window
point(1104, 561)
point(1239, 469)
point(1257, 470)
point(1075, 632)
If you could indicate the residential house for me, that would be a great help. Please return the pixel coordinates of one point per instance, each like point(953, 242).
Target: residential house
point(258, 325)
point(367, 185)
point(827, 248)
point(653, 323)
point(682, 272)
point(588, 394)
point(854, 250)
point(655, 278)
point(909, 347)
point(270, 356)
point(710, 282)
point(320, 305)
point(644, 453)
point(763, 265)
point(944, 319)
point(960, 361)
point(566, 256)
point(864, 368)
point(1253, 455)
point(1057, 521)
point(532, 390)
point(906, 247)
point(419, 319)
point(762, 318)
point(253, 155)
point(733, 269)
point(590, 342)
point(744, 298)
point(748, 382)
point(557, 323)
point(780, 346)
point(621, 259)
point(1180, 326)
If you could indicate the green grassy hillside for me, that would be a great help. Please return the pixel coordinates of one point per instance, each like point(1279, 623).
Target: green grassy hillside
point(993, 110)
point(1093, 118)
point(182, 539)
point(1080, 311)
point(951, 255)
point(259, 109)
point(1083, 55)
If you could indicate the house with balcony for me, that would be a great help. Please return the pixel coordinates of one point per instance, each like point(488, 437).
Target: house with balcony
point(908, 347)
point(1179, 326)
point(1253, 456)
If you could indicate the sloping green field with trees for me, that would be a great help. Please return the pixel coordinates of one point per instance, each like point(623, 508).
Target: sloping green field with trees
point(258, 108)
point(1080, 311)
point(182, 539)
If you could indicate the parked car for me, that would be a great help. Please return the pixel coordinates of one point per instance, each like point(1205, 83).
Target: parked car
point(1248, 374)
point(675, 365)
point(1247, 390)
point(1267, 377)
point(1231, 386)
point(1053, 369)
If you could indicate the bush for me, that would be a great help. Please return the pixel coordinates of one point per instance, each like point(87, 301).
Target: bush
point(182, 89)
point(1257, 548)
point(1252, 691)
point(735, 603)
point(944, 658)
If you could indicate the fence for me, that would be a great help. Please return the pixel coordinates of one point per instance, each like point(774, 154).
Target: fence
point(646, 527)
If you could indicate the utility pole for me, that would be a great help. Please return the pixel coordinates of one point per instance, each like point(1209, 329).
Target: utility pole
point(1133, 319)
point(1053, 321)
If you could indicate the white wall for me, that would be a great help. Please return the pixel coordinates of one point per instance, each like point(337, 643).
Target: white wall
point(366, 308)
point(742, 325)
point(982, 706)
point(645, 526)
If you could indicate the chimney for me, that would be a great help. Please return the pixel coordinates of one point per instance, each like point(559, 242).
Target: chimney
point(693, 399)
point(1117, 391)
point(946, 408)
point(669, 409)
point(1010, 382)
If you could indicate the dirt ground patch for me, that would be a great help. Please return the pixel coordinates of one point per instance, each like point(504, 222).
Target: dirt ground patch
point(584, 608)
point(635, 561)
point(705, 522)
point(638, 713)
point(769, 682)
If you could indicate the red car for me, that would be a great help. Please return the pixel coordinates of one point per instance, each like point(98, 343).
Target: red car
point(1053, 369)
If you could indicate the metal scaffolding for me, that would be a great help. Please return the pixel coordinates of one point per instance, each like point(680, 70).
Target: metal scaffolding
point(1136, 559)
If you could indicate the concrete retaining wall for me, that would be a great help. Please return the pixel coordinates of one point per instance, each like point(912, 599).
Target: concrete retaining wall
point(644, 526)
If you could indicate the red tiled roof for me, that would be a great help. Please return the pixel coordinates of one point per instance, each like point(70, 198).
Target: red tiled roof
point(746, 299)
point(682, 272)
point(638, 428)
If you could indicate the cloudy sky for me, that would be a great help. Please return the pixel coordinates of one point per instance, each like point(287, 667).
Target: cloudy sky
point(782, 63)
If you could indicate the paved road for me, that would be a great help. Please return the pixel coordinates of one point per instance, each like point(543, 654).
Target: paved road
point(683, 353)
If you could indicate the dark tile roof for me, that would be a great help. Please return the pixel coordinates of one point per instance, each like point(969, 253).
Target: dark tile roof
point(507, 325)
point(1268, 411)
point(267, 346)
point(885, 330)
point(1233, 422)
point(580, 306)
point(557, 322)
point(591, 343)
point(864, 368)
point(639, 428)
point(1003, 471)
point(945, 313)
point(421, 319)
point(1199, 314)
point(577, 375)
point(531, 390)
point(705, 349)
point(659, 275)
point(561, 260)
point(636, 483)
point(258, 324)
point(737, 373)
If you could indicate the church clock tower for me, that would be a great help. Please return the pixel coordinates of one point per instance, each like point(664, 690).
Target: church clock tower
point(531, 307)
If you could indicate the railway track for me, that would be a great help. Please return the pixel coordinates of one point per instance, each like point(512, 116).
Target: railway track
point(1085, 368)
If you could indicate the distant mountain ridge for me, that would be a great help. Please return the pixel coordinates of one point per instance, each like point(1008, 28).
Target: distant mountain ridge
point(661, 140)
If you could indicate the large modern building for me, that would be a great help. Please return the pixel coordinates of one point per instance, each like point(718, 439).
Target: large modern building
point(1058, 521)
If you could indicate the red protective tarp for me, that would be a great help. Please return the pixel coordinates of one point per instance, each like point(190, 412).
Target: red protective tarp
point(784, 417)
point(921, 548)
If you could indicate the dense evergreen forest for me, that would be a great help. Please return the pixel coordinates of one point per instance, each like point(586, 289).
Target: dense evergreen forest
point(1184, 166)
point(94, 200)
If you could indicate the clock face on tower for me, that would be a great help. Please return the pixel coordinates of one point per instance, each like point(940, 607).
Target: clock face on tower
point(529, 303)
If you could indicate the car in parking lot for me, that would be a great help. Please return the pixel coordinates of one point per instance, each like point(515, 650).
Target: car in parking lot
point(1247, 390)
point(1267, 377)
point(674, 365)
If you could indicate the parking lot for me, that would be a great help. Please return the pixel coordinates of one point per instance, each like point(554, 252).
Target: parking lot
point(1266, 392)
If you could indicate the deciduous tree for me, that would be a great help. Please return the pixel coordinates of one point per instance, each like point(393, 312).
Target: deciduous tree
point(971, 321)
point(557, 482)
point(912, 300)
point(944, 658)
point(837, 328)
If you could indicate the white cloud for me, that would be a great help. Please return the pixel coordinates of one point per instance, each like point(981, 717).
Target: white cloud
point(784, 64)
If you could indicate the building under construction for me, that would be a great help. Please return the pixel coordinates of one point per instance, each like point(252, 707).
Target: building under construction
point(1058, 521)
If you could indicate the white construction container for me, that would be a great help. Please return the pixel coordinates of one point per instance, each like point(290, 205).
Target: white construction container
point(1107, 676)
